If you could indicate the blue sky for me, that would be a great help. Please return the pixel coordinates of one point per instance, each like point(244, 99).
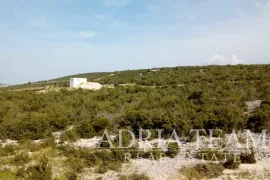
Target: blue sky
point(47, 39)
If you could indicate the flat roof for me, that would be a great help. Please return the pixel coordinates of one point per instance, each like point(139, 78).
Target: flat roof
point(78, 78)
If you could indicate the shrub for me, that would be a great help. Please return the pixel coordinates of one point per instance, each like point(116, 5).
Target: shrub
point(173, 149)
point(8, 150)
point(231, 163)
point(104, 159)
point(75, 164)
point(102, 169)
point(6, 174)
point(153, 155)
point(21, 159)
point(41, 171)
point(247, 158)
point(202, 171)
point(259, 120)
point(20, 173)
point(134, 176)
point(49, 142)
point(71, 136)
point(115, 166)
point(72, 176)
point(107, 161)
point(29, 144)
point(85, 130)
point(99, 124)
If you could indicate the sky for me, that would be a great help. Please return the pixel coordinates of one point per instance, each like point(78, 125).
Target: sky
point(41, 40)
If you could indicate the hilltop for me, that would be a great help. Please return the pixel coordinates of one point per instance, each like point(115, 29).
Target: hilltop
point(165, 76)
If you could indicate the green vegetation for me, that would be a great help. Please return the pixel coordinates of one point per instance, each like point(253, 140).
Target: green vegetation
point(229, 160)
point(180, 98)
point(231, 163)
point(209, 97)
point(134, 176)
point(202, 171)
point(40, 171)
point(173, 150)
point(6, 174)
point(21, 159)
point(7, 150)
point(259, 120)
point(80, 158)
point(248, 158)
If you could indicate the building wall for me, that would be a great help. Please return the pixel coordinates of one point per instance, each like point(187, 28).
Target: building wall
point(76, 82)
point(91, 86)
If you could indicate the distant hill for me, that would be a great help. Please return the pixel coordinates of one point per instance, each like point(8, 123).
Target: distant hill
point(165, 76)
point(3, 85)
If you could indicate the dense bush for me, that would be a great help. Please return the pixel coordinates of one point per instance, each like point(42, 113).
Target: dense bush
point(248, 158)
point(134, 176)
point(104, 160)
point(71, 136)
point(173, 149)
point(231, 163)
point(260, 119)
point(41, 171)
point(202, 171)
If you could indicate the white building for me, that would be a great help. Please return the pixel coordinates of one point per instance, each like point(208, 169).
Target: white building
point(76, 82)
point(82, 83)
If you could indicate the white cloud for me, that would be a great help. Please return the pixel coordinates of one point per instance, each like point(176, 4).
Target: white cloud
point(221, 60)
point(87, 34)
point(116, 2)
point(236, 60)
point(217, 59)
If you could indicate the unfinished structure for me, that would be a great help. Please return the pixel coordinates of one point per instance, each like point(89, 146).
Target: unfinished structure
point(82, 83)
point(75, 82)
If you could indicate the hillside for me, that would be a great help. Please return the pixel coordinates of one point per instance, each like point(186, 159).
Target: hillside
point(180, 75)
point(189, 97)
point(166, 76)
point(180, 98)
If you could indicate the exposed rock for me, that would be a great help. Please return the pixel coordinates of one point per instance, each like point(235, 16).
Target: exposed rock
point(252, 105)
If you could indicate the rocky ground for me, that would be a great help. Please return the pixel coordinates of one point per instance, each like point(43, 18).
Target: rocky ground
point(168, 168)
